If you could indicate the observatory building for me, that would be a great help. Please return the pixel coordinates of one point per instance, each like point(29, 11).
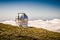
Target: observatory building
point(22, 19)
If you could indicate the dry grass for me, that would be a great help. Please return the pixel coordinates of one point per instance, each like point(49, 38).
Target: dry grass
point(9, 32)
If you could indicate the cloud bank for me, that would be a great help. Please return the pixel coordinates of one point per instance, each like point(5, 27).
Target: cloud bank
point(52, 25)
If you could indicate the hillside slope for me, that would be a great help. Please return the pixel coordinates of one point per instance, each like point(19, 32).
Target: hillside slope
point(9, 32)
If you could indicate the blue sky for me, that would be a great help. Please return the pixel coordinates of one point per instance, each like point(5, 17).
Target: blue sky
point(35, 9)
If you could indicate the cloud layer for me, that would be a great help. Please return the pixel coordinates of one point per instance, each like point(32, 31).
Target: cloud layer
point(52, 25)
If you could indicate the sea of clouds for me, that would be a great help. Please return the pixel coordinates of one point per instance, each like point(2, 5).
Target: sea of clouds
point(51, 25)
